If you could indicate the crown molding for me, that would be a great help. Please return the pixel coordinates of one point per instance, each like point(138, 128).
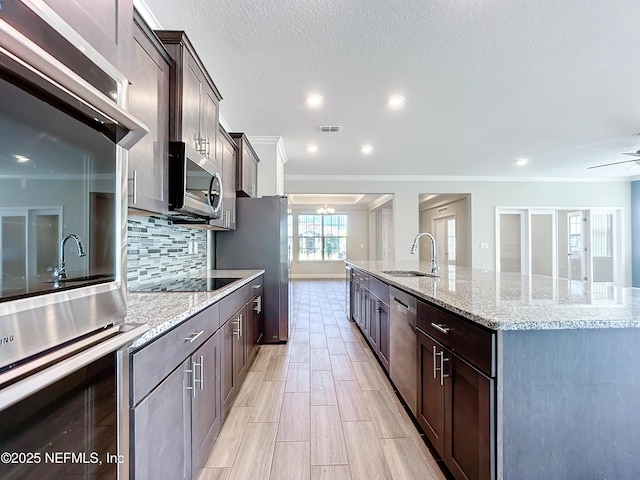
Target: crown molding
point(146, 13)
point(445, 178)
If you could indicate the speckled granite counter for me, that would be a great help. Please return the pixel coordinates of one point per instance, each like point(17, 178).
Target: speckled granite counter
point(511, 301)
point(164, 310)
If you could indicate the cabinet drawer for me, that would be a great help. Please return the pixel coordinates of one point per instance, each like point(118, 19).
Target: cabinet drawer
point(363, 279)
point(379, 289)
point(473, 343)
point(152, 363)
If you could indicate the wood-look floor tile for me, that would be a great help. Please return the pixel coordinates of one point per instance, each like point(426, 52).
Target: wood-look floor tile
point(351, 401)
point(330, 472)
point(350, 335)
point(367, 376)
point(316, 326)
point(317, 340)
point(436, 472)
point(332, 331)
point(299, 352)
point(294, 425)
point(320, 359)
point(298, 379)
point(356, 352)
point(268, 402)
point(247, 395)
point(323, 391)
point(301, 336)
point(404, 459)
point(414, 434)
point(327, 438)
point(261, 362)
point(366, 463)
point(214, 473)
point(291, 461)
point(257, 446)
point(336, 346)
point(226, 446)
point(342, 369)
point(386, 419)
point(277, 369)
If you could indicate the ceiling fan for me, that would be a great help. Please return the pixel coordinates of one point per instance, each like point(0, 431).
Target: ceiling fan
point(635, 154)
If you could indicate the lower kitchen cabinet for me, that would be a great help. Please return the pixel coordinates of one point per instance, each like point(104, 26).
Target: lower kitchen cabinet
point(206, 408)
point(176, 425)
point(160, 430)
point(255, 326)
point(384, 343)
point(233, 358)
point(456, 410)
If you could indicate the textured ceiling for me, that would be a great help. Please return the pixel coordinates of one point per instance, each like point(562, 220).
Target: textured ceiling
point(486, 82)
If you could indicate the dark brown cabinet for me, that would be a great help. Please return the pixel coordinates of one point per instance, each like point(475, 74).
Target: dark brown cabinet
point(149, 101)
point(247, 167)
point(206, 409)
point(106, 26)
point(194, 96)
point(456, 398)
point(255, 325)
point(384, 343)
point(233, 358)
point(226, 154)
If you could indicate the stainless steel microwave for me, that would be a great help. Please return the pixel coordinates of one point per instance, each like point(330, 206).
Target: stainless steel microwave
point(195, 183)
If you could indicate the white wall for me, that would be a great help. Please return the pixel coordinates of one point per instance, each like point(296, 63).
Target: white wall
point(485, 196)
point(542, 244)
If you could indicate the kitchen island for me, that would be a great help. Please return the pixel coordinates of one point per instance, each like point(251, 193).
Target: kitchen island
point(562, 390)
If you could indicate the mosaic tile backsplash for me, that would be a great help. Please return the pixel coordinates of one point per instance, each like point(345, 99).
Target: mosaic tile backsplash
point(156, 248)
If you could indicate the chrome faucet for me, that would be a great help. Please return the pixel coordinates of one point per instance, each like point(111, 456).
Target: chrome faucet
point(414, 247)
point(61, 271)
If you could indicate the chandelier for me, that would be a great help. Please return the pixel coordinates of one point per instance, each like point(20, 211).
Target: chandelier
point(325, 210)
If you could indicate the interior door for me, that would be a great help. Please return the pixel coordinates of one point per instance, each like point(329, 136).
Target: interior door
point(578, 256)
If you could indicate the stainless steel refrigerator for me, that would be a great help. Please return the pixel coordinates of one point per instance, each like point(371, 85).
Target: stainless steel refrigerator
point(261, 241)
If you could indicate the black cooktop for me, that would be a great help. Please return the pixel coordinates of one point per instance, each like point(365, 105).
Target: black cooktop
point(192, 284)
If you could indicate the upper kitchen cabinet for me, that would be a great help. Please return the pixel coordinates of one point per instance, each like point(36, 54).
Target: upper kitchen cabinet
point(194, 97)
point(104, 24)
point(227, 153)
point(247, 167)
point(149, 101)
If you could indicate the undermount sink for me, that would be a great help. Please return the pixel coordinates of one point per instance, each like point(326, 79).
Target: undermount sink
point(408, 273)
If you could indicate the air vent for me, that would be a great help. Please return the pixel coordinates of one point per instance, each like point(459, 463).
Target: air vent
point(330, 128)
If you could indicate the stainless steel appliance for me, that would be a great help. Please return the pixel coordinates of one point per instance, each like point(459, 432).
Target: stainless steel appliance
point(195, 183)
point(402, 357)
point(63, 140)
point(261, 241)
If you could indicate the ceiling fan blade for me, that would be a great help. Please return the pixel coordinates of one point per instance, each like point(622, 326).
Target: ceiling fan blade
point(614, 163)
point(636, 154)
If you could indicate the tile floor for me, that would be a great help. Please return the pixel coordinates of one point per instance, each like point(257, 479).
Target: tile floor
point(319, 407)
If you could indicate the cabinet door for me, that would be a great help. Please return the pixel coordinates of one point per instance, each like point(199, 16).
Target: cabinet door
point(149, 101)
point(247, 167)
point(206, 418)
point(364, 311)
point(106, 26)
point(239, 352)
point(431, 392)
point(209, 123)
point(226, 154)
point(469, 407)
point(374, 322)
point(229, 390)
point(161, 426)
point(385, 340)
point(255, 327)
point(192, 90)
point(253, 184)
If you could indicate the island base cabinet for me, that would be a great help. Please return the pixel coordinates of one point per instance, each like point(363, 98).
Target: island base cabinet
point(234, 366)
point(161, 428)
point(469, 420)
point(456, 410)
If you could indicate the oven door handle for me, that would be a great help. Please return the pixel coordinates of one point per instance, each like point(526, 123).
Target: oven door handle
point(38, 376)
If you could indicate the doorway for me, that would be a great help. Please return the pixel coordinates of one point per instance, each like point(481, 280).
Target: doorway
point(444, 229)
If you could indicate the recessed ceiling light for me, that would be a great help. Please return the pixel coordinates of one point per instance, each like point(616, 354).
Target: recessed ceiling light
point(21, 158)
point(312, 148)
point(367, 149)
point(395, 101)
point(314, 100)
point(521, 162)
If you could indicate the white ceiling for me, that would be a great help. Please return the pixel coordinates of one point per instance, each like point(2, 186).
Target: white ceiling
point(486, 82)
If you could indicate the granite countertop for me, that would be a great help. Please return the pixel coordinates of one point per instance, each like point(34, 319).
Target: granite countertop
point(511, 301)
point(164, 310)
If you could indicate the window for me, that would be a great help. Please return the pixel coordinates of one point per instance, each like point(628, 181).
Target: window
point(601, 229)
point(451, 239)
point(322, 237)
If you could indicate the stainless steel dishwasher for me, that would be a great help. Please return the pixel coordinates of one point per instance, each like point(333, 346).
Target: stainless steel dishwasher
point(403, 356)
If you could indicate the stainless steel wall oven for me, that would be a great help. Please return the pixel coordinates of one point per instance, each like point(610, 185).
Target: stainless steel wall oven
point(64, 132)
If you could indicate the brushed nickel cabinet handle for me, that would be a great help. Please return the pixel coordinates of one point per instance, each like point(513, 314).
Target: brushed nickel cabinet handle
point(191, 338)
point(440, 328)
